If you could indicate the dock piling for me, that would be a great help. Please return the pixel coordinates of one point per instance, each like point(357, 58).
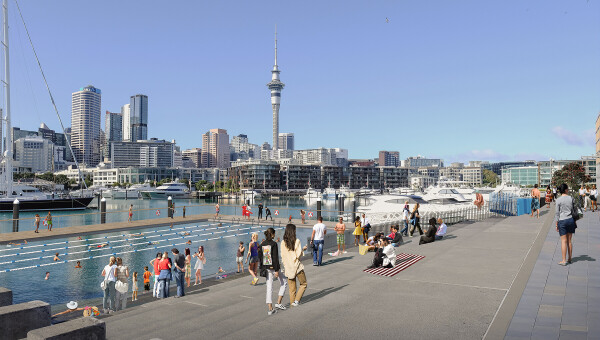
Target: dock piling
point(16, 206)
point(103, 210)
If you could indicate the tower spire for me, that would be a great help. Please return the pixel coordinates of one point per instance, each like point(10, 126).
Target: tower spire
point(275, 86)
point(275, 45)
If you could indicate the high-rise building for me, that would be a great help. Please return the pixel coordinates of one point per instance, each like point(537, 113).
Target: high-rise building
point(286, 141)
point(215, 149)
point(194, 155)
point(389, 158)
point(152, 153)
point(138, 106)
point(113, 130)
point(275, 86)
point(126, 113)
point(85, 125)
point(35, 153)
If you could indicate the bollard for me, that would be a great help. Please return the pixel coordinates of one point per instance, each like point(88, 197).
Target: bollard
point(16, 206)
point(170, 205)
point(318, 207)
point(103, 210)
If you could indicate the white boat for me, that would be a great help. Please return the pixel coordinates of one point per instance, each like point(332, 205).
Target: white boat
point(312, 193)
point(442, 195)
point(174, 189)
point(131, 192)
point(347, 192)
point(329, 194)
point(250, 194)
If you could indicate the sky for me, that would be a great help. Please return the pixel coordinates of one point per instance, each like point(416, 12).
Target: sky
point(459, 80)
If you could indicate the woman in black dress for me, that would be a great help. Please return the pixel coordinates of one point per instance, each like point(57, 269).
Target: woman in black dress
point(430, 234)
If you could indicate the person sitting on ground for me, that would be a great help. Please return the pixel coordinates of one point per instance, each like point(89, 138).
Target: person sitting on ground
point(373, 241)
point(56, 258)
point(430, 234)
point(441, 229)
point(385, 255)
point(395, 235)
point(478, 199)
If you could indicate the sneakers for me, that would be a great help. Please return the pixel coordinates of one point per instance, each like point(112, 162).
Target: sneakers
point(280, 306)
point(345, 252)
point(271, 312)
point(295, 304)
point(315, 264)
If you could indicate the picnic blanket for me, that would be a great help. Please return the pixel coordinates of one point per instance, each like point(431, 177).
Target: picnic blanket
point(403, 261)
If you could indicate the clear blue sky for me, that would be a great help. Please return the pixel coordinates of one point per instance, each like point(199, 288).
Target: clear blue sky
point(460, 80)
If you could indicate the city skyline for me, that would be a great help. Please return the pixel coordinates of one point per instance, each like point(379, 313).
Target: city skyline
point(525, 78)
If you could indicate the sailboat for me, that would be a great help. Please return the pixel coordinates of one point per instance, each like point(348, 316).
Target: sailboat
point(29, 198)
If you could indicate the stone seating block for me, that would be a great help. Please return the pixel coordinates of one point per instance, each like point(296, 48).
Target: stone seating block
point(17, 320)
point(85, 328)
point(6, 297)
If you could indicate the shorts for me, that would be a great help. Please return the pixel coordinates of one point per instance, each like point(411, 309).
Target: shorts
point(254, 259)
point(593, 198)
point(146, 285)
point(340, 239)
point(367, 228)
point(535, 204)
point(566, 226)
point(239, 259)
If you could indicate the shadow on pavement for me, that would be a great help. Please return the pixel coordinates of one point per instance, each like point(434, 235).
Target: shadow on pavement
point(583, 258)
point(322, 293)
point(336, 260)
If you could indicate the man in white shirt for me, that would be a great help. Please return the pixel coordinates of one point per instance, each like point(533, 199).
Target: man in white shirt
point(441, 230)
point(317, 238)
point(366, 225)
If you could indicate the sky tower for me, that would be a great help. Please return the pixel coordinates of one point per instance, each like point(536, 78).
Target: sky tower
point(275, 86)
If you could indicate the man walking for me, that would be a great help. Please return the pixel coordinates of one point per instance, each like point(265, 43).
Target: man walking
point(179, 271)
point(340, 229)
point(318, 238)
point(260, 209)
point(366, 225)
point(405, 215)
point(268, 214)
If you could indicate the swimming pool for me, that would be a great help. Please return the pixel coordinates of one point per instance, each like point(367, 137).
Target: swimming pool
point(23, 267)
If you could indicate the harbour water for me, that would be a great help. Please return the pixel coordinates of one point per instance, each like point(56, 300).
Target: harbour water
point(23, 267)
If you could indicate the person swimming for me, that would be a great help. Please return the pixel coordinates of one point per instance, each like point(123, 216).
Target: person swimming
point(56, 258)
point(78, 265)
point(189, 242)
point(103, 245)
point(153, 242)
point(184, 233)
point(47, 276)
point(17, 244)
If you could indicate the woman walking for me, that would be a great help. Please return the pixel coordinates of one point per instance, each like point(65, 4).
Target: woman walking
point(415, 220)
point(357, 230)
point(594, 198)
point(201, 260)
point(165, 275)
point(268, 254)
point(587, 200)
point(291, 251)
point(565, 222)
point(188, 266)
point(110, 276)
point(253, 255)
point(122, 277)
point(548, 198)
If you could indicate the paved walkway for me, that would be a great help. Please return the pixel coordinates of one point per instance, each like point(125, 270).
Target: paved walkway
point(563, 302)
point(454, 292)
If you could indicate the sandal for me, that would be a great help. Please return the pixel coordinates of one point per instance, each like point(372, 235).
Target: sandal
point(562, 263)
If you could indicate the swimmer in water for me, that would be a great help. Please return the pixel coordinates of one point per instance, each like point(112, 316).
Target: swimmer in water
point(189, 242)
point(56, 258)
point(184, 233)
point(153, 242)
point(78, 265)
point(102, 245)
point(79, 238)
point(17, 244)
point(47, 276)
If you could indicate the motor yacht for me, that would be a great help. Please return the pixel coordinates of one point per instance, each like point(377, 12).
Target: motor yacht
point(131, 192)
point(441, 195)
point(174, 189)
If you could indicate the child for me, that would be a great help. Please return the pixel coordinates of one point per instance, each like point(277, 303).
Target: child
point(134, 289)
point(147, 275)
point(47, 276)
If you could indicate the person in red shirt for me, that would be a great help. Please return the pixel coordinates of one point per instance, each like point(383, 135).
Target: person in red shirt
point(154, 264)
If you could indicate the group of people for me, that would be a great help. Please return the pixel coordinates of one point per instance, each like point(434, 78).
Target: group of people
point(115, 275)
point(588, 197)
point(47, 222)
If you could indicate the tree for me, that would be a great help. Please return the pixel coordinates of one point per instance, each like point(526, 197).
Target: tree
point(88, 181)
point(573, 174)
point(489, 177)
point(47, 176)
point(61, 179)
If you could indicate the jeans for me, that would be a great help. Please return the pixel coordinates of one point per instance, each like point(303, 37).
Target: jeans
point(439, 237)
point(282, 284)
point(318, 252)
point(259, 214)
point(297, 295)
point(405, 229)
point(179, 277)
point(163, 288)
point(109, 295)
point(121, 300)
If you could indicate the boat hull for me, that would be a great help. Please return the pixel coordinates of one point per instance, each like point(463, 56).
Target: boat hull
point(165, 195)
point(48, 204)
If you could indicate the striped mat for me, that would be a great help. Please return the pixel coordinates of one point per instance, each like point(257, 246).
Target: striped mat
point(403, 261)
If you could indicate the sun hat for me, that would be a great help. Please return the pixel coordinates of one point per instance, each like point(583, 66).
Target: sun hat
point(72, 305)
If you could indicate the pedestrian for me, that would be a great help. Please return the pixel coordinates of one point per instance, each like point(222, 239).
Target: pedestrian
point(357, 230)
point(291, 251)
point(415, 220)
point(49, 221)
point(165, 276)
point(179, 271)
point(121, 285)
point(302, 216)
point(110, 276)
point(217, 210)
point(535, 200)
point(317, 238)
point(188, 267)
point(253, 256)
point(172, 209)
point(594, 198)
point(37, 223)
point(239, 257)
point(548, 198)
point(130, 213)
point(134, 286)
point(565, 217)
point(587, 201)
point(268, 254)
point(147, 275)
point(183, 212)
point(553, 194)
point(366, 226)
point(340, 229)
point(581, 196)
point(155, 265)
point(201, 260)
point(268, 214)
point(405, 219)
point(260, 210)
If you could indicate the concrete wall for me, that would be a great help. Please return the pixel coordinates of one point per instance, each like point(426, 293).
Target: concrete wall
point(83, 328)
point(17, 320)
point(6, 297)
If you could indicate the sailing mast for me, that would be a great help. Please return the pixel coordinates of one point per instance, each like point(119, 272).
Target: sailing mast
point(8, 154)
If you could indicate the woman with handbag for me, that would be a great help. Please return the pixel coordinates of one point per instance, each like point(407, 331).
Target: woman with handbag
point(121, 285)
point(565, 217)
point(108, 285)
point(268, 254)
point(164, 278)
point(291, 251)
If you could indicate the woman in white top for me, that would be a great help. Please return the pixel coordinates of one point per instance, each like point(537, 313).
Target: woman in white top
point(291, 251)
point(594, 197)
point(123, 276)
point(199, 265)
point(110, 276)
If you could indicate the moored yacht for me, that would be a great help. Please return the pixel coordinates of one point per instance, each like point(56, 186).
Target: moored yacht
point(173, 189)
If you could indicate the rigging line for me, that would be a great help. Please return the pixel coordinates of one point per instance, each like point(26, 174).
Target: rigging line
point(28, 77)
point(50, 93)
point(125, 252)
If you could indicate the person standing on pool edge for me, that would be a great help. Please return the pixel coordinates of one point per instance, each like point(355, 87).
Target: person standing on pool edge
point(268, 214)
point(535, 202)
point(130, 213)
point(260, 209)
point(37, 223)
point(49, 221)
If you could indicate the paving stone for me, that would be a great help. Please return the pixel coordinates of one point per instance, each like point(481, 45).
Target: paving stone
point(545, 332)
point(573, 335)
